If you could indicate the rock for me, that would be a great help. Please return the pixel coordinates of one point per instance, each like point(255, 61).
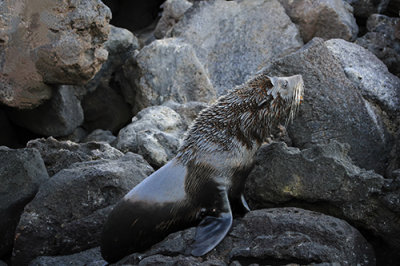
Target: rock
point(155, 132)
point(383, 40)
point(49, 42)
point(100, 135)
point(104, 105)
point(323, 178)
point(58, 155)
point(271, 237)
point(368, 74)
point(67, 213)
point(364, 8)
point(326, 19)
point(173, 11)
point(165, 70)
point(333, 108)
point(22, 171)
point(76, 136)
point(59, 116)
point(105, 108)
point(87, 257)
point(188, 111)
point(235, 39)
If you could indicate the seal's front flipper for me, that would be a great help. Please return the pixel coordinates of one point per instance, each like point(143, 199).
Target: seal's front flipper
point(210, 232)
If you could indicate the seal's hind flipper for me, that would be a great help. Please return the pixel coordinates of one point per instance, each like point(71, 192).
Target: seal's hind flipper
point(210, 232)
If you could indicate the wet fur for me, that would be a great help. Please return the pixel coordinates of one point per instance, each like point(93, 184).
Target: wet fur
point(215, 158)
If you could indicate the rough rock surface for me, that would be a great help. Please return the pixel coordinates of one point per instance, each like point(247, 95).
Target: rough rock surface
point(324, 179)
point(333, 108)
point(383, 39)
point(155, 132)
point(165, 70)
point(59, 116)
point(368, 73)
point(100, 135)
point(326, 19)
point(235, 39)
point(364, 8)
point(22, 171)
point(270, 237)
point(173, 11)
point(67, 214)
point(49, 42)
point(188, 111)
point(58, 155)
point(88, 257)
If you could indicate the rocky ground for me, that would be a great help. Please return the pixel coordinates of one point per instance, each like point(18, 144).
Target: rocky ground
point(89, 107)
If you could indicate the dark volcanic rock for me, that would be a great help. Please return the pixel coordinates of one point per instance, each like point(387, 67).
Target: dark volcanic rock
point(88, 257)
point(270, 237)
point(364, 8)
point(333, 108)
point(59, 116)
point(22, 171)
point(383, 40)
point(100, 135)
point(67, 213)
point(58, 155)
point(323, 178)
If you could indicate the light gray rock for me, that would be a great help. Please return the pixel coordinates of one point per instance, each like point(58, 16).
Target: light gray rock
point(333, 108)
point(188, 111)
point(364, 8)
point(49, 42)
point(165, 70)
point(383, 40)
point(326, 19)
point(58, 155)
point(323, 178)
point(69, 210)
point(87, 257)
point(173, 11)
point(235, 39)
point(100, 135)
point(368, 73)
point(59, 116)
point(22, 171)
point(155, 132)
point(270, 237)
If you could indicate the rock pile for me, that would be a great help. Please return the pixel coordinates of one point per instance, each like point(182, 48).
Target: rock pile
point(88, 110)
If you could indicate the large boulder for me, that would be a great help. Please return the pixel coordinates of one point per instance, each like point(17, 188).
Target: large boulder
point(68, 212)
point(323, 178)
point(59, 116)
point(22, 171)
point(49, 42)
point(155, 132)
point(326, 19)
point(58, 155)
point(269, 237)
point(333, 107)
point(383, 39)
point(234, 39)
point(368, 73)
point(165, 70)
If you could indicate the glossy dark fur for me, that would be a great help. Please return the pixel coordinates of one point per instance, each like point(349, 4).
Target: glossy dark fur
point(206, 178)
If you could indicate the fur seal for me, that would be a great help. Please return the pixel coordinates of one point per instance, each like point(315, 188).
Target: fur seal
point(206, 178)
